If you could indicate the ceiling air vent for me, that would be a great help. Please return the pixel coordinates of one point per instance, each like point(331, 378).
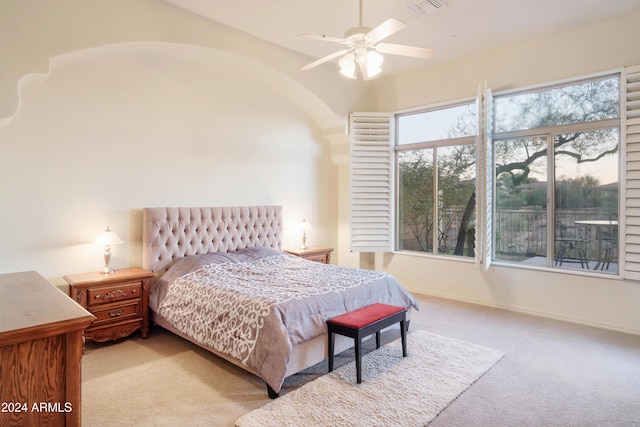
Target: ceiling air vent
point(424, 7)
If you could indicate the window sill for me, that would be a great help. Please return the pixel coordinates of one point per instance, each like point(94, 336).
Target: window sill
point(434, 256)
point(577, 272)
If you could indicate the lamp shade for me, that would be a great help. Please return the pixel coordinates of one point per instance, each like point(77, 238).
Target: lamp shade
point(374, 59)
point(368, 60)
point(348, 66)
point(108, 238)
point(305, 225)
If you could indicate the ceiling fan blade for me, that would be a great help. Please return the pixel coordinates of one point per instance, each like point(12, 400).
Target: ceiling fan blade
point(384, 30)
point(325, 59)
point(404, 50)
point(322, 37)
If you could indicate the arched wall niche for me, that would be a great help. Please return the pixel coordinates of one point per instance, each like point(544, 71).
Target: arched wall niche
point(333, 127)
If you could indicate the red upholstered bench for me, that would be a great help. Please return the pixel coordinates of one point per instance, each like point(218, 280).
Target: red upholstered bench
point(363, 322)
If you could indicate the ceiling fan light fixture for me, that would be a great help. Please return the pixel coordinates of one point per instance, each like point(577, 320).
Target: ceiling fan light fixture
point(363, 48)
point(348, 66)
point(373, 63)
point(360, 55)
point(374, 59)
point(372, 72)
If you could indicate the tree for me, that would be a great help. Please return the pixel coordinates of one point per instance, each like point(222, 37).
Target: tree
point(416, 197)
point(518, 159)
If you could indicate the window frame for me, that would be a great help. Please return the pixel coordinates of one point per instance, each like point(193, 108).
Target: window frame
point(550, 132)
point(431, 144)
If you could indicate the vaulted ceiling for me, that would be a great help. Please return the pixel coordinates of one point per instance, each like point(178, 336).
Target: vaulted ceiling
point(456, 28)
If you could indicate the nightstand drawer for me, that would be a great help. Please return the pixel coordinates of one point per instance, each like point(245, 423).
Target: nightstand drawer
point(314, 253)
point(117, 312)
point(113, 293)
point(318, 258)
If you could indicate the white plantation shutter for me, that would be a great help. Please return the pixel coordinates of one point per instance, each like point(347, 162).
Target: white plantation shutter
point(484, 177)
point(480, 184)
point(372, 161)
point(631, 126)
point(487, 118)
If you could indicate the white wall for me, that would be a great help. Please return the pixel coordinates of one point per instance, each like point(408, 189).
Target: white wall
point(100, 140)
point(600, 301)
point(111, 106)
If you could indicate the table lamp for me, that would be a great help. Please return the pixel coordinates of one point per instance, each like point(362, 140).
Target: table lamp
point(108, 238)
point(304, 226)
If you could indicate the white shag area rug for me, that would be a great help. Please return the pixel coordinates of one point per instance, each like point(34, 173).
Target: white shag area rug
point(408, 391)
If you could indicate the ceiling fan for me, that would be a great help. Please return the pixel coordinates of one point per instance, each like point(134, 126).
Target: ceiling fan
point(364, 48)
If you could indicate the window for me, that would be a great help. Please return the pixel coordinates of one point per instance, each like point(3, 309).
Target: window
point(436, 167)
point(557, 175)
point(531, 178)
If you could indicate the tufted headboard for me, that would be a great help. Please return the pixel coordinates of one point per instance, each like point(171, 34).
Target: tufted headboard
point(172, 233)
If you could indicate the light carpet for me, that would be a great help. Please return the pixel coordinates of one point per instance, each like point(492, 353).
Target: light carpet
point(408, 391)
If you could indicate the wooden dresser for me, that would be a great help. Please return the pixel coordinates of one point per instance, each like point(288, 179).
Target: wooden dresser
point(40, 352)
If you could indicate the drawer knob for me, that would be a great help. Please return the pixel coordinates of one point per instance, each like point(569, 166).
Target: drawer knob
point(115, 313)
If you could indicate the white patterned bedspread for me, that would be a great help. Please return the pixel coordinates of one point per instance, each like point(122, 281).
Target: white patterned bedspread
point(256, 304)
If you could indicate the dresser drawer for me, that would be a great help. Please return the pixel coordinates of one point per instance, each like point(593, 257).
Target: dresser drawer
point(114, 293)
point(117, 312)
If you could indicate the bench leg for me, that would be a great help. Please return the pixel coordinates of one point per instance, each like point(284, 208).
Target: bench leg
point(378, 339)
point(330, 335)
point(358, 346)
point(403, 334)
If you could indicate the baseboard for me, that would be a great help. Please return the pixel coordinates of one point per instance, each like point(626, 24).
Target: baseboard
point(532, 312)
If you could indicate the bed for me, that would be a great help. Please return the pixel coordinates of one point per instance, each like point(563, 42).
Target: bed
point(222, 282)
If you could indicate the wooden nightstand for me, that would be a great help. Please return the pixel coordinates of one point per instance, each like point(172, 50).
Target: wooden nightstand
point(119, 301)
point(314, 253)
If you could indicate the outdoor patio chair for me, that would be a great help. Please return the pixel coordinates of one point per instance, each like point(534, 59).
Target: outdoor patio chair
point(610, 244)
point(571, 241)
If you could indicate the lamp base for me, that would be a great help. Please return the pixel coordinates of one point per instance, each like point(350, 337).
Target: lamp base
point(107, 261)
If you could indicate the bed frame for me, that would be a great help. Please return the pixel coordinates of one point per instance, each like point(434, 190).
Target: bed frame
point(169, 234)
